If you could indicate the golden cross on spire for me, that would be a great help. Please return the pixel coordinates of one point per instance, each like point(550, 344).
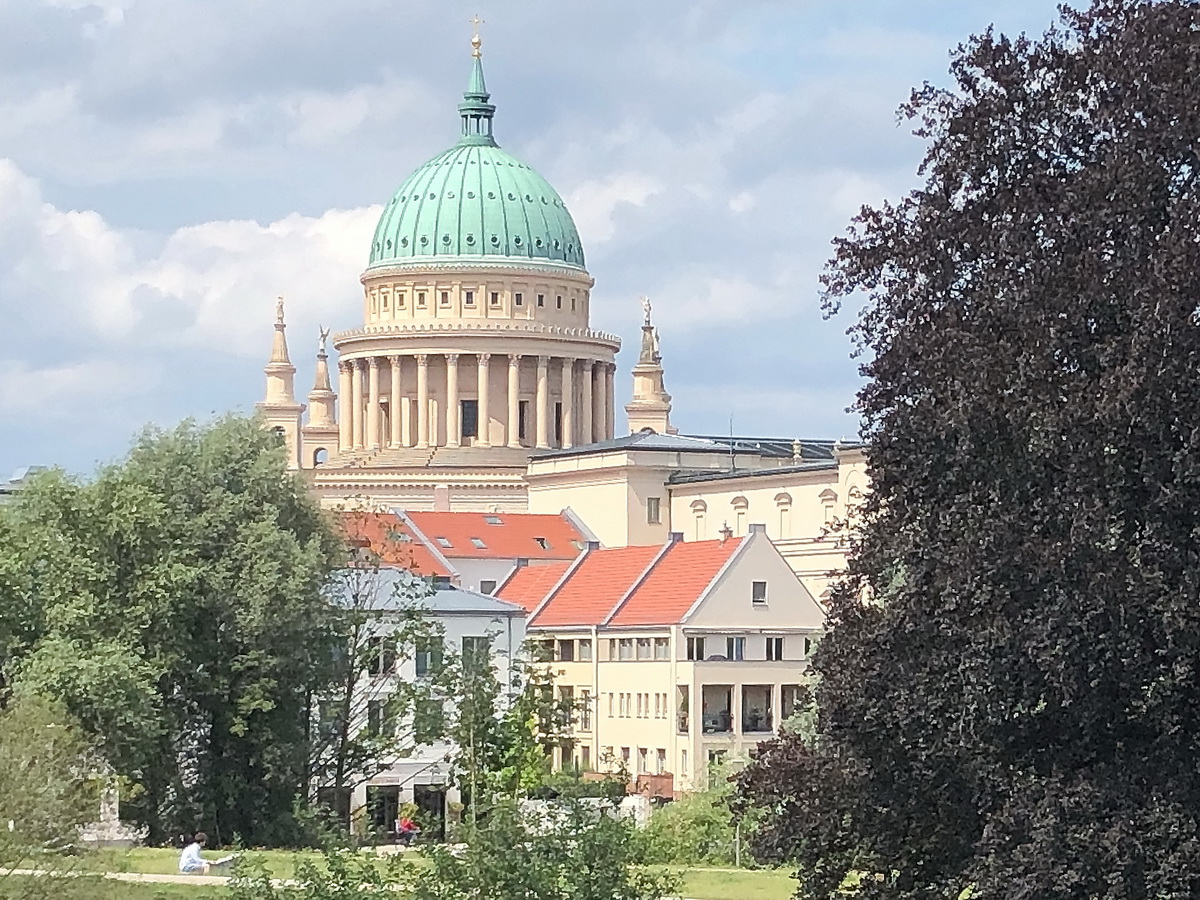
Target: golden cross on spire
point(476, 40)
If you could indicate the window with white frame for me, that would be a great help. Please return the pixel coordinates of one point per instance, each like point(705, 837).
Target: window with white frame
point(758, 593)
point(774, 649)
point(662, 648)
point(735, 648)
point(653, 510)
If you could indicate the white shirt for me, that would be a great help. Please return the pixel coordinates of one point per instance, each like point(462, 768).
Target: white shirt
point(189, 859)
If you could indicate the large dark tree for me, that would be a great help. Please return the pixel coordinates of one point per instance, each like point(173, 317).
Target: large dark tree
point(1009, 694)
point(174, 605)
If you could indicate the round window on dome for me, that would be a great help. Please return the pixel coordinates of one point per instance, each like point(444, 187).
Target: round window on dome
point(432, 195)
point(424, 240)
point(470, 240)
point(450, 195)
point(517, 240)
point(403, 242)
point(556, 245)
point(470, 195)
point(495, 241)
point(389, 244)
point(512, 196)
point(543, 201)
point(529, 198)
point(538, 242)
point(491, 195)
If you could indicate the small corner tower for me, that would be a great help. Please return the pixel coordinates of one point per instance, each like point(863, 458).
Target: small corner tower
point(651, 404)
point(279, 410)
point(321, 433)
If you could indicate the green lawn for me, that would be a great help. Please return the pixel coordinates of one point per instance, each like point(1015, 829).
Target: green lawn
point(697, 883)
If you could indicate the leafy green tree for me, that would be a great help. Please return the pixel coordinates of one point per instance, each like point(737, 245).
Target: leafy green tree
point(1007, 694)
point(174, 604)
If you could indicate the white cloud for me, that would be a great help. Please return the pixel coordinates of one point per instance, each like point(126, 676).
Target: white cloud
point(63, 392)
point(594, 205)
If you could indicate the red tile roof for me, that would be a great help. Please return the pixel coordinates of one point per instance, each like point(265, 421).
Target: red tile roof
point(514, 536)
point(595, 586)
point(529, 585)
point(675, 583)
point(387, 536)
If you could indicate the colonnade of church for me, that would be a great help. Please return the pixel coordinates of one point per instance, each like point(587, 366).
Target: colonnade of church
point(474, 399)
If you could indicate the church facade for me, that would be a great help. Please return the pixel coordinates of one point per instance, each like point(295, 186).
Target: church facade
point(476, 383)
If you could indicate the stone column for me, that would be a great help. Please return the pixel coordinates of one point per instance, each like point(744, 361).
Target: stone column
point(373, 424)
point(543, 397)
point(360, 425)
point(610, 417)
point(422, 400)
point(483, 383)
point(598, 413)
point(514, 410)
point(453, 409)
point(396, 402)
point(346, 413)
point(585, 402)
point(568, 403)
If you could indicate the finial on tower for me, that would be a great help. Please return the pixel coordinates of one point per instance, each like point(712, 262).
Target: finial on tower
point(476, 40)
point(646, 311)
point(279, 310)
point(322, 353)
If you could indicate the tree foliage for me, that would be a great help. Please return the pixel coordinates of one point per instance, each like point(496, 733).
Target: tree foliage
point(174, 604)
point(1007, 695)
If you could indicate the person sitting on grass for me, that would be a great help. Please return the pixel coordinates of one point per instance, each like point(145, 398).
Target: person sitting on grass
point(190, 861)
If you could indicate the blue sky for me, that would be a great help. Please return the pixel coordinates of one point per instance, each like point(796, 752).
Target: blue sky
point(167, 167)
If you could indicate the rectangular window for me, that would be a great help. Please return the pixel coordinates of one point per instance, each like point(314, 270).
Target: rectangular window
point(774, 648)
point(519, 299)
point(557, 301)
point(625, 648)
point(428, 657)
point(558, 430)
point(735, 648)
point(469, 413)
point(428, 720)
point(809, 643)
point(541, 299)
point(476, 652)
point(625, 755)
point(469, 298)
point(478, 544)
point(384, 298)
point(643, 648)
point(585, 758)
point(566, 651)
point(758, 593)
point(643, 764)
point(653, 511)
point(610, 704)
point(374, 717)
point(639, 705)
point(572, 304)
point(683, 762)
point(585, 649)
point(522, 419)
point(543, 651)
point(445, 298)
point(695, 649)
point(420, 299)
point(400, 300)
point(380, 656)
point(660, 761)
point(657, 705)
point(487, 586)
point(585, 709)
point(662, 648)
point(495, 299)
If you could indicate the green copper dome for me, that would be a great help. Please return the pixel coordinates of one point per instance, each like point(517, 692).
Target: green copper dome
point(475, 202)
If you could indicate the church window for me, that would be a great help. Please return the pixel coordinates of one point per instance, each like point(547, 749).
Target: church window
point(653, 510)
point(572, 304)
point(400, 300)
point(558, 301)
point(319, 456)
point(541, 299)
point(445, 298)
point(495, 301)
point(558, 431)
point(519, 299)
point(421, 299)
point(522, 419)
point(469, 298)
point(384, 299)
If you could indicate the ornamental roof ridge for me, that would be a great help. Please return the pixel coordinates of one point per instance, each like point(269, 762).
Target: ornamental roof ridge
point(476, 328)
point(459, 263)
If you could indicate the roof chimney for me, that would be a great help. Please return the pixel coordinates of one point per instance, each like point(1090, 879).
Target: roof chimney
point(675, 537)
point(758, 529)
point(592, 545)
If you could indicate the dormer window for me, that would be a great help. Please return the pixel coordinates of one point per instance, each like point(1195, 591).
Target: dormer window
point(542, 542)
point(478, 544)
point(493, 520)
point(443, 542)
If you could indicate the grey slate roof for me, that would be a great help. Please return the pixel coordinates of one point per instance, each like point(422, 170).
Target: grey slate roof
point(382, 585)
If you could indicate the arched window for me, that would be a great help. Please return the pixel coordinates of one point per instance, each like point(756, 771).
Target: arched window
point(319, 456)
point(699, 509)
point(828, 499)
point(783, 505)
point(741, 509)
